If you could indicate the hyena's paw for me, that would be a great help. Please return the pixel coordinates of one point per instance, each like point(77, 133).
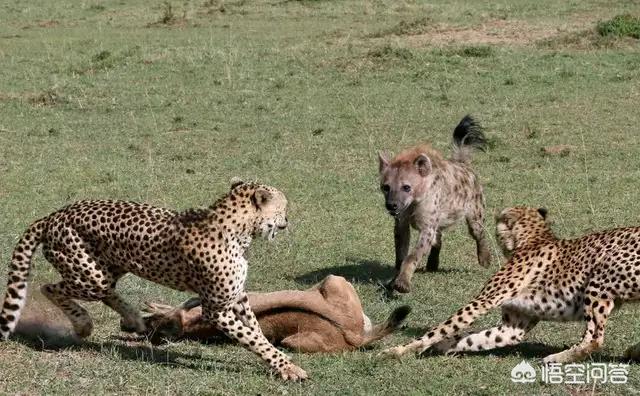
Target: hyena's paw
point(484, 258)
point(291, 372)
point(401, 285)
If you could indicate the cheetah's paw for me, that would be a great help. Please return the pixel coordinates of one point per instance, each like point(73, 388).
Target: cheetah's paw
point(291, 372)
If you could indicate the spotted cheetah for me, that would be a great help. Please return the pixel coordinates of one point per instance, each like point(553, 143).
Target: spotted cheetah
point(92, 244)
point(545, 278)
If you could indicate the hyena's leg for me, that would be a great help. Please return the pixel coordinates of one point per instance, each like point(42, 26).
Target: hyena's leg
point(402, 282)
point(596, 312)
point(433, 261)
point(512, 330)
point(475, 223)
point(402, 238)
point(233, 325)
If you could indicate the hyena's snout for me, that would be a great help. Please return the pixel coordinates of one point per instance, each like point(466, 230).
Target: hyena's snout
point(392, 207)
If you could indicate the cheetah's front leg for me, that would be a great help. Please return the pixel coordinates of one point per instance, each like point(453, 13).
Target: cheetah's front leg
point(240, 324)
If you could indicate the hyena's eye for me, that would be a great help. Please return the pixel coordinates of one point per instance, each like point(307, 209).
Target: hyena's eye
point(406, 188)
point(386, 188)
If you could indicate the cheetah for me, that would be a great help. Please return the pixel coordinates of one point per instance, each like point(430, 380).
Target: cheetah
point(545, 278)
point(92, 244)
point(425, 191)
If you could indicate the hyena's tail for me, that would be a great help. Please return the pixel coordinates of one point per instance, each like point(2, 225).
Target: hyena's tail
point(19, 270)
point(467, 136)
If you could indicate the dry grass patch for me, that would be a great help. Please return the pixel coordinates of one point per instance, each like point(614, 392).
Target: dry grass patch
point(494, 32)
point(48, 97)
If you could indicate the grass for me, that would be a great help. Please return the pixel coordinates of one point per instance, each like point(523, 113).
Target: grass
point(99, 100)
point(620, 26)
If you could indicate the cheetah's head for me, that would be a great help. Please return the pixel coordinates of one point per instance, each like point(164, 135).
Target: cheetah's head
point(270, 205)
point(518, 224)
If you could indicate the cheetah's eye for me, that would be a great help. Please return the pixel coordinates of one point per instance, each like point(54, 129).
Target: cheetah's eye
point(386, 188)
point(406, 188)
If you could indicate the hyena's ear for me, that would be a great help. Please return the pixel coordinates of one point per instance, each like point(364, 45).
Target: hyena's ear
point(235, 182)
point(543, 212)
point(261, 197)
point(383, 161)
point(422, 164)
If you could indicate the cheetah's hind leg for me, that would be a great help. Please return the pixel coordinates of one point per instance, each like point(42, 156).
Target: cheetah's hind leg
point(597, 311)
point(512, 330)
point(78, 316)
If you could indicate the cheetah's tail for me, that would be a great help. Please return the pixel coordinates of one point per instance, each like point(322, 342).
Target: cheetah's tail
point(19, 269)
point(468, 135)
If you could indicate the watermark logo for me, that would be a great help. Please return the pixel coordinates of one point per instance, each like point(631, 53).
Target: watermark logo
point(523, 372)
point(574, 373)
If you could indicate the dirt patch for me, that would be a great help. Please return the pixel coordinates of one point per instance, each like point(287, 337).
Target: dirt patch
point(492, 32)
point(45, 98)
point(498, 32)
point(562, 150)
point(49, 23)
point(589, 39)
point(48, 97)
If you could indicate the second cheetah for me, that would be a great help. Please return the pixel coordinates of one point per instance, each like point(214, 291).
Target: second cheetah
point(545, 278)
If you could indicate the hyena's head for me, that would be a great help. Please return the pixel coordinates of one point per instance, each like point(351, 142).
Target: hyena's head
point(403, 179)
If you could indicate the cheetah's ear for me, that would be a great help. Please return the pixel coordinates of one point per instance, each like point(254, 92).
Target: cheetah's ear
point(543, 212)
point(383, 161)
point(261, 197)
point(235, 182)
point(422, 164)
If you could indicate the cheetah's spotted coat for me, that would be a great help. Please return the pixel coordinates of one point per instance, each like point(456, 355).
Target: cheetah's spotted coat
point(545, 278)
point(93, 244)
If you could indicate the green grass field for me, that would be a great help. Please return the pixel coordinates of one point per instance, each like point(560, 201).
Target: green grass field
point(165, 102)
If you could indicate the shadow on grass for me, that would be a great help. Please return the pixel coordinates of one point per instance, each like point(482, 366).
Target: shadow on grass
point(132, 348)
point(46, 339)
point(154, 355)
point(525, 350)
point(354, 270)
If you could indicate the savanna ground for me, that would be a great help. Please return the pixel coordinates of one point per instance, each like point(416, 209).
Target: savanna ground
point(164, 103)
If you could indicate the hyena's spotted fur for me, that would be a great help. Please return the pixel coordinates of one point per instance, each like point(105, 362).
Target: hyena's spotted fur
point(425, 191)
